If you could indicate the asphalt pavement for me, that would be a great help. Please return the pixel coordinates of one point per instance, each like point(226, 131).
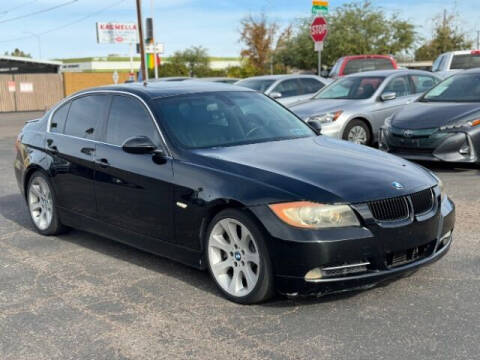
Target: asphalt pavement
point(81, 296)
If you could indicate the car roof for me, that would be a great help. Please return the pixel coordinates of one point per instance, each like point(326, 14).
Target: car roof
point(280, 77)
point(386, 73)
point(161, 89)
point(356, 57)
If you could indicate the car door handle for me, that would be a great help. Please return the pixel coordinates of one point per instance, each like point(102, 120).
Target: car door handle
point(87, 150)
point(102, 162)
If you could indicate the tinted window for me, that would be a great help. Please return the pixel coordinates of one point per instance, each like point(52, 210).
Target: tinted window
point(227, 119)
point(400, 86)
point(360, 65)
point(256, 84)
point(58, 119)
point(467, 61)
point(311, 86)
point(423, 83)
point(129, 118)
point(357, 87)
point(288, 88)
point(458, 88)
point(84, 115)
point(437, 65)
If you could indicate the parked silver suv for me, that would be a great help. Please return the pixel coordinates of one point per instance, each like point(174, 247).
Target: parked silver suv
point(355, 107)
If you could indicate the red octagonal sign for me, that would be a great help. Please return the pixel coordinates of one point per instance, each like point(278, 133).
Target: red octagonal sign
point(319, 29)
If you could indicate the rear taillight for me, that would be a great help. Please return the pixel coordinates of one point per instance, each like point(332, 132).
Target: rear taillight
point(475, 52)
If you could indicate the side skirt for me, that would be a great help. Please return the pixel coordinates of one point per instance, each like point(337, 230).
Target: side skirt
point(165, 249)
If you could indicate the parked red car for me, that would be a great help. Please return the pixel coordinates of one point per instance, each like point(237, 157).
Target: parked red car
point(353, 64)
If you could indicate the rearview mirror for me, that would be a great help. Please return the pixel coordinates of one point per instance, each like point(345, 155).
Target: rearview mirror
point(316, 126)
point(275, 95)
point(139, 145)
point(388, 95)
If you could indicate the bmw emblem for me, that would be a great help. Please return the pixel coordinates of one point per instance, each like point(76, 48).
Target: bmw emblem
point(238, 257)
point(397, 185)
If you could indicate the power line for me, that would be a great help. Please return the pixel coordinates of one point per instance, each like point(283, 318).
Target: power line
point(38, 12)
point(17, 7)
point(83, 18)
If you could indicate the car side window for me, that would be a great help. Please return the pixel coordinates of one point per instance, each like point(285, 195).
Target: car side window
point(400, 86)
point(311, 86)
point(288, 88)
point(85, 114)
point(423, 83)
point(57, 123)
point(129, 118)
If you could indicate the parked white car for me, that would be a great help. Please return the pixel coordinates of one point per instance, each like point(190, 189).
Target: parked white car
point(452, 62)
point(286, 89)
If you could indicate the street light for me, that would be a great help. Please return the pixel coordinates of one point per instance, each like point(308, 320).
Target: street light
point(39, 43)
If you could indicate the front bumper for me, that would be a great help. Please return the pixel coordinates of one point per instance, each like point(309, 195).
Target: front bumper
point(456, 146)
point(295, 252)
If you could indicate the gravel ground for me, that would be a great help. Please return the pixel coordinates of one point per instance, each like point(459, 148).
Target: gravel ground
point(80, 296)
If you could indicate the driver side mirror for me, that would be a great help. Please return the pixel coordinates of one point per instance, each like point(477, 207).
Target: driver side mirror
point(139, 145)
point(316, 126)
point(275, 95)
point(388, 95)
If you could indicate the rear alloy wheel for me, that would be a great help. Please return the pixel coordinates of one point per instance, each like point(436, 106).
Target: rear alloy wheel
point(357, 132)
point(41, 204)
point(237, 258)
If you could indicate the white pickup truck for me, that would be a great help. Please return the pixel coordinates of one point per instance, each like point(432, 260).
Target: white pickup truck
point(452, 62)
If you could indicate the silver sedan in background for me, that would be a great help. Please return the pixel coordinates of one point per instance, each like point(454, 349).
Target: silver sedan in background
point(355, 107)
point(286, 89)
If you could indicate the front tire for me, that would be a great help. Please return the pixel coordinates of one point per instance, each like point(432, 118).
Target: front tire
point(238, 259)
point(41, 205)
point(358, 132)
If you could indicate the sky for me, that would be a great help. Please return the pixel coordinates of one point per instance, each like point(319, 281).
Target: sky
point(68, 30)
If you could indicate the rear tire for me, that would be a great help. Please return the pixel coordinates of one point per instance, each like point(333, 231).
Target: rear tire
point(42, 205)
point(238, 259)
point(358, 132)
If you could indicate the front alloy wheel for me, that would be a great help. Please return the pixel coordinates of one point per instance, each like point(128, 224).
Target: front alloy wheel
point(237, 258)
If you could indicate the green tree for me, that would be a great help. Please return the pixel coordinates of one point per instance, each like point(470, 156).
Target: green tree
point(353, 28)
point(446, 37)
point(195, 59)
point(18, 52)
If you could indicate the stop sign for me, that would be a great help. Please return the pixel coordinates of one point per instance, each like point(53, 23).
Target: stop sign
point(319, 29)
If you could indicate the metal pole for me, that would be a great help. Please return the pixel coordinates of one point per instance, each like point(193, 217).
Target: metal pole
point(131, 59)
point(140, 35)
point(155, 62)
point(478, 40)
point(319, 62)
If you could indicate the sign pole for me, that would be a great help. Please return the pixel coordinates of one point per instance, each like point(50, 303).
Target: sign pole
point(319, 31)
point(320, 63)
point(140, 34)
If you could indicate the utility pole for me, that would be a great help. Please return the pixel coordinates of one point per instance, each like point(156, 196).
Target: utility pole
point(155, 62)
point(478, 39)
point(142, 46)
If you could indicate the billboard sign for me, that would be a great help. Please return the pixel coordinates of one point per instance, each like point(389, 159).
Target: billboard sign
point(116, 33)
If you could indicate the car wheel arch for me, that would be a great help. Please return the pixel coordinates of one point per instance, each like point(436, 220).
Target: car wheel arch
point(362, 119)
point(32, 169)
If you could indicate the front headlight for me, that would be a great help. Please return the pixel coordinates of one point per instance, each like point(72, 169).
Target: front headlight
point(326, 118)
point(441, 186)
point(308, 215)
point(467, 124)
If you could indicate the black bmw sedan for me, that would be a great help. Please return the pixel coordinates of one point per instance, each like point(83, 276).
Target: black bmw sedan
point(226, 179)
point(442, 125)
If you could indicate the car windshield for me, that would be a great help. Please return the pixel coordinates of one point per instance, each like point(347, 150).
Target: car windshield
point(261, 85)
point(458, 88)
point(353, 88)
point(220, 119)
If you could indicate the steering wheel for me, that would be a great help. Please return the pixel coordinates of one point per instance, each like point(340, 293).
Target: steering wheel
point(252, 131)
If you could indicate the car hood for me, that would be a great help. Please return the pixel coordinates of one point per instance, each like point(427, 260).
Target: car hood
point(432, 115)
point(322, 106)
point(321, 169)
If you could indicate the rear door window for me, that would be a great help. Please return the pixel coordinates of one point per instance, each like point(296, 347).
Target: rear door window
point(288, 88)
point(57, 123)
point(85, 115)
point(129, 118)
point(423, 83)
point(310, 85)
point(400, 86)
